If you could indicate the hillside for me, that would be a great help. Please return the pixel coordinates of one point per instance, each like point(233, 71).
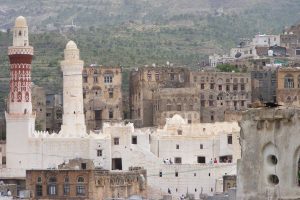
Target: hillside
point(133, 33)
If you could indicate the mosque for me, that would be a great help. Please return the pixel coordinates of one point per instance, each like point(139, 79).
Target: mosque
point(191, 151)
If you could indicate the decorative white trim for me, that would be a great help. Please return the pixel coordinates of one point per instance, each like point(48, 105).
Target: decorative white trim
point(20, 50)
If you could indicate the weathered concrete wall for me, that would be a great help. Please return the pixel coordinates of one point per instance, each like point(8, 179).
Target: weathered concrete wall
point(266, 133)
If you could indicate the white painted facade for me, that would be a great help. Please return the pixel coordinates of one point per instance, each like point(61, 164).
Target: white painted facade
point(247, 51)
point(266, 40)
point(73, 116)
point(216, 59)
point(190, 141)
point(30, 149)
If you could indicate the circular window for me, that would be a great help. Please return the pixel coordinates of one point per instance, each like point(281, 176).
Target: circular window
point(273, 179)
point(272, 159)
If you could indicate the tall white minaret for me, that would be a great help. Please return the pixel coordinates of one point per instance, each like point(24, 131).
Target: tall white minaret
point(20, 121)
point(73, 116)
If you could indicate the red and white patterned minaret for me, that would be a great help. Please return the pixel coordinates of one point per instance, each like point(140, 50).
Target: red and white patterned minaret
point(20, 57)
point(20, 121)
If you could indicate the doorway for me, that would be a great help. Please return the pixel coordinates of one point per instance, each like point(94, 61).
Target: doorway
point(117, 164)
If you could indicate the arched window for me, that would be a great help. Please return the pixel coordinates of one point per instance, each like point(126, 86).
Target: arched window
point(80, 187)
point(220, 81)
point(66, 186)
point(288, 81)
point(52, 187)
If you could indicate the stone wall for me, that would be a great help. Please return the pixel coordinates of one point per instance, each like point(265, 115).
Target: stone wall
point(39, 107)
point(144, 81)
point(102, 94)
point(270, 146)
point(288, 86)
point(220, 91)
point(94, 184)
point(171, 101)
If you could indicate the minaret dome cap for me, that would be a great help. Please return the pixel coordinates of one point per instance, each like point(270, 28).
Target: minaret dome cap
point(20, 22)
point(71, 45)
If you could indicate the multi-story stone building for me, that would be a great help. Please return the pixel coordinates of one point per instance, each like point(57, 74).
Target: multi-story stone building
point(264, 84)
point(82, 181)
point(102, 94)
point(118, 146)
point(289, 39)
point(54, 112)
point(288, 86)
point(144, 82)
point(39, 106)
point(219, 92)
point(171, 101)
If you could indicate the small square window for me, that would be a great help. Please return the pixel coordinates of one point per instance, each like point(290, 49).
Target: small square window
point(83, 165)
point(201, 146)
point(201, 159)
point(108, 78)
point(229, 139)
point(177, 146)
point(110, 114)
point(116, 141)
point(99, 152)
point(177, 160)
point(134, 140)
point(160, 174)
point(179, 132)
point(176, 174)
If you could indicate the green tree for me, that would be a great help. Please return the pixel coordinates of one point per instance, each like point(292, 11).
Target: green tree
point(227, 68)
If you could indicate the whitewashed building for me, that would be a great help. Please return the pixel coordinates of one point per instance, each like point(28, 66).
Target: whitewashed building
point(179, 158)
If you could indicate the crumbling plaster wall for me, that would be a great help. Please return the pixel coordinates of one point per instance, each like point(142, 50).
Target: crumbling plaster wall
point(266, 132)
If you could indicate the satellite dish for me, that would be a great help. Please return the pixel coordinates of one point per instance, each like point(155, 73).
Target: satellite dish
point(270, 52)
point(237, 55)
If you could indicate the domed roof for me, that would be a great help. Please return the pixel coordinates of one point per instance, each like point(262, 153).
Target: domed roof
point(20, 22)
point(175, 120)
point(71, 45)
